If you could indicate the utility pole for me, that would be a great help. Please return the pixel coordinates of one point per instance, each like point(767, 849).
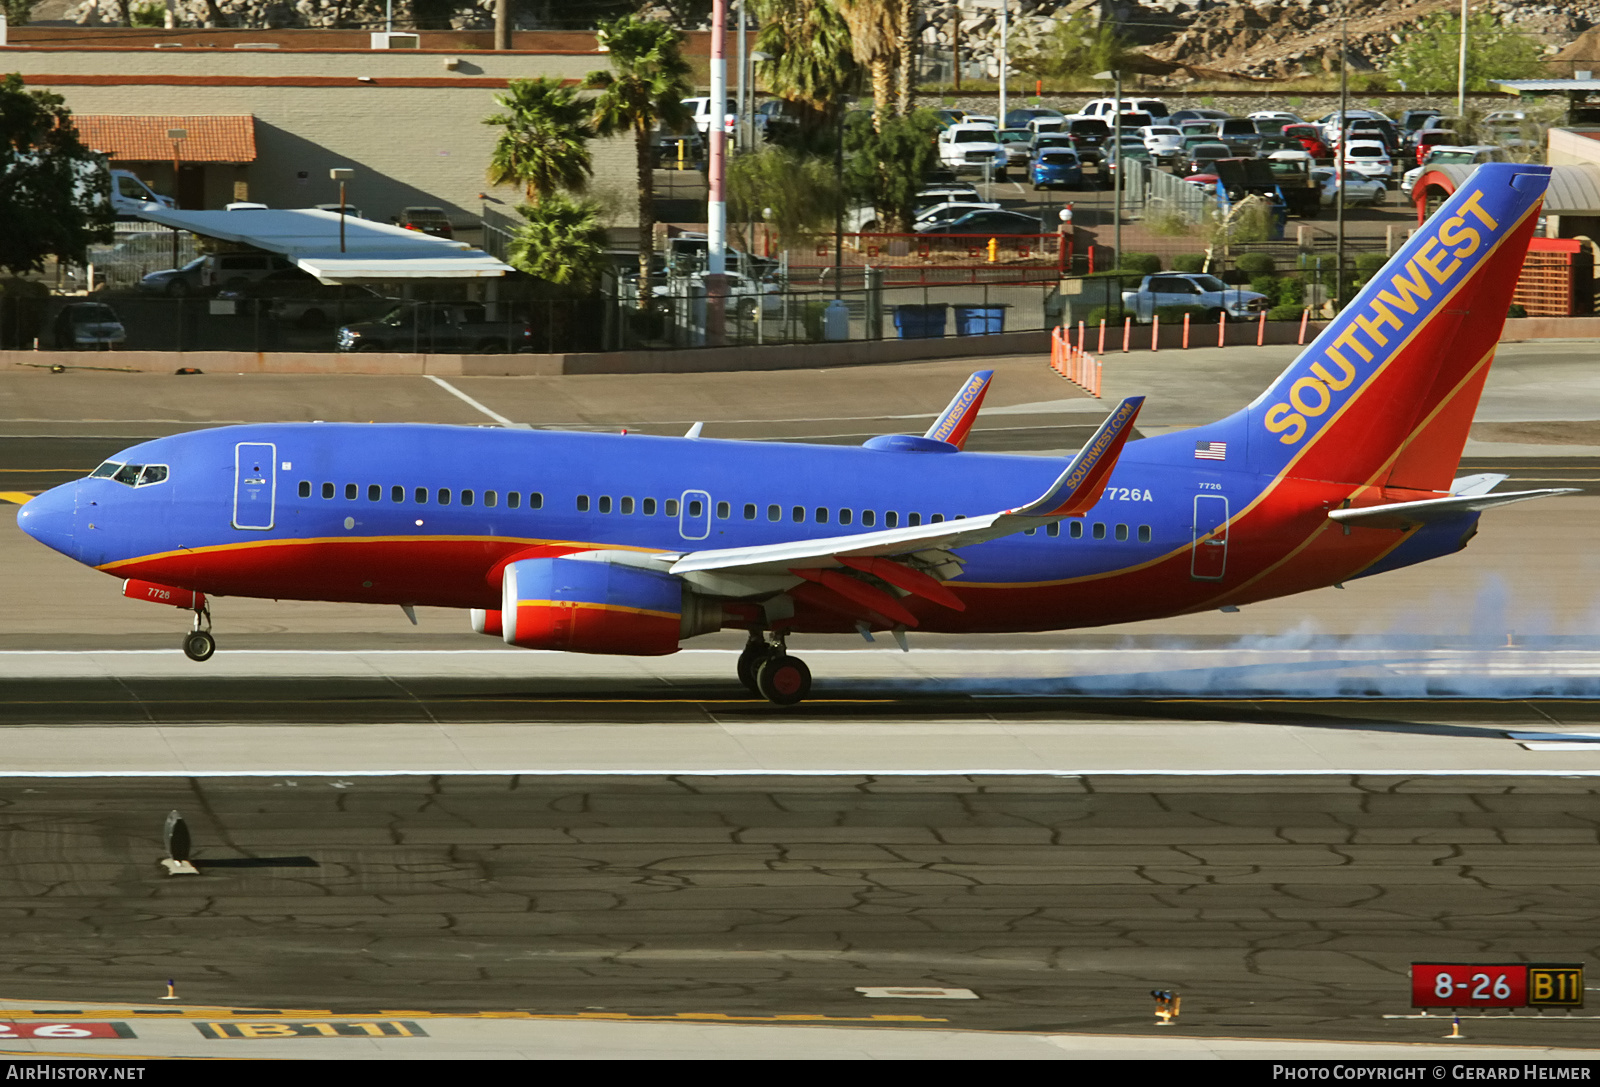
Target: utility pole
point(1339, 155)
point(746, 139)
point(716, 205)
point(502, 24)
point(1005, 61)
point(955, 45)
point(1120, 178)
point(1461, 69)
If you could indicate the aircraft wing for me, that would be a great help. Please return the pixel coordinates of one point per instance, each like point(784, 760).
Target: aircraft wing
point(1410, 514)
point(1074, 491)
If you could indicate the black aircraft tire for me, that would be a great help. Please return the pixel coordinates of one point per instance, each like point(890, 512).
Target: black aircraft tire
point(749, 661)
point(783, 680)
point(199, 646)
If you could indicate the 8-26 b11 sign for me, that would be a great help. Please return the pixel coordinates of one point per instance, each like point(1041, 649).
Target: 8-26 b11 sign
point(1496, 985)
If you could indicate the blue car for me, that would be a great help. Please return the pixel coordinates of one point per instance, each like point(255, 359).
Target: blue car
point(1055, 168)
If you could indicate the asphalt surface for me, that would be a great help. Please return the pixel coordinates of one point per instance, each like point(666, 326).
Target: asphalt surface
point(1279, 907)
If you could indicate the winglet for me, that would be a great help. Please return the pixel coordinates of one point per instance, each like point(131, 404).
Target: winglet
point(955, 423)
point(1080, 485)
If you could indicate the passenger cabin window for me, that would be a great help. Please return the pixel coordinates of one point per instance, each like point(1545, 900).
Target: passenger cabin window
point(1054, 529)
point(466, 498)
point(1144, 533)
point(934, 519)
point(374, 492)
point(397, 493)
point(822, 515)
point(724, 511)
point(648, 507)
point(1076, 531)
point(327, 490)
point(604, 506)
point(844, 517)
point(913, 518)
point(774, 513)
point(627, 505)
point(305, 488)
point(891, 519)
point(513, 499)
point(350, 491)
point(535, 500)
point(583, 503)
point(443, 496)
point(672, 507)
point(749, 511)
point(798, 514)
point(868, 518)
point(421, 496)
point(1099, 531)
point(697, 508)
point(1122, 532)
point(490, 498)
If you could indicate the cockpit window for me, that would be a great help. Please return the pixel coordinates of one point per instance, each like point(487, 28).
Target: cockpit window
point(153, 473)
point(105, 471)
point(131, 475)
point(128, 473)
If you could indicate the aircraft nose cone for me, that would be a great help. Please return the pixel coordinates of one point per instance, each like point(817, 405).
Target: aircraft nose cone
point(49, 518)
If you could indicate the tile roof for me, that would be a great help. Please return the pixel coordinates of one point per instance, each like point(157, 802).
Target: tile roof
point(144, 139)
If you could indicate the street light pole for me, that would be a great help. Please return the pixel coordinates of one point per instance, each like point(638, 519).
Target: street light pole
point(1461, 69)
point(341, 175)
point(1339, 157)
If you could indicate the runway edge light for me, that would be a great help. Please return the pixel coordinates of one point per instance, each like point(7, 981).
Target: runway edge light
point(175, 836)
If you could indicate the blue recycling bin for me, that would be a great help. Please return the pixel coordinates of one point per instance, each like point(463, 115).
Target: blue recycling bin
point(923, 321)
point(980, 320)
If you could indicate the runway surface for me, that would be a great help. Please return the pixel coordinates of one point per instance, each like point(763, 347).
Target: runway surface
point(1273, 812)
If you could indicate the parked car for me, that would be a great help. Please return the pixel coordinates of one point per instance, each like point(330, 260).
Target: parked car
point(1191, 290)
point(953, 209)
point(1056, 168)
point(1015, 141)
point(1277, 117)
point(1204, 153)
point(1019, 118)
point(996, 222)
point(744, 294)
point(1447, 155)
point(428, 220)
point(701, 109)
point(181, 282)
point(1162, 140)
point(233, 270)
point(972, 147)
point(298, 298)
point(1309, 137)
point(436, 327)
point(349, 210)
point(1369, 158)
point(1107, 108)
point(1358, 188)
point(1197, 114)
point(1240, 135)
point(82, 325)
point(1110, 166)
point(1434, 137)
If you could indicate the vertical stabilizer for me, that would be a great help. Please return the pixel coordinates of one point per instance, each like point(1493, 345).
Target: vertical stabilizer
point(1386, 393)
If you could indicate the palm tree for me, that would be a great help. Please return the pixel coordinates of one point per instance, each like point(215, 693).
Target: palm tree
point(561, 241)
point(645, 89)
point(875, 41)
point(811, 64)
point(544, 147)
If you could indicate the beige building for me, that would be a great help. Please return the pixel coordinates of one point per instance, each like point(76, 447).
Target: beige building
point(409, 122)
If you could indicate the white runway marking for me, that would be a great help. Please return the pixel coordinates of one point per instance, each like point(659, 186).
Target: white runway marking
point(453, 391)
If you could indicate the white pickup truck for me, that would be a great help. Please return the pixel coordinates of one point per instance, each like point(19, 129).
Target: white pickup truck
point(1192, 290)
point(971, 148)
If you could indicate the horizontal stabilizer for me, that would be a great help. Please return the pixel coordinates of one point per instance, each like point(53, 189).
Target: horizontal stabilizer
point(1410, 514)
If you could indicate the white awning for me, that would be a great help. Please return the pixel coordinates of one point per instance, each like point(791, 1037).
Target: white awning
point(311, 239)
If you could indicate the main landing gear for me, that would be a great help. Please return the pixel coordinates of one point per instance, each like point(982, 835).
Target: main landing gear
point(198, 644)
point(766, 669)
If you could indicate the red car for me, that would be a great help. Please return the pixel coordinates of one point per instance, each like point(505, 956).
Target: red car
point(1310, 137)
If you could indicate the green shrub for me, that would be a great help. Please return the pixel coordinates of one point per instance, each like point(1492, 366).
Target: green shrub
point(1291, 291)
point(1516, 311)
point(1267, 285)
point(1188, 262)
point(1256, 264)
point(1113, 316)
point(1368, 264)
point(812, 317)
point(1287, 312)
point(1142, 263)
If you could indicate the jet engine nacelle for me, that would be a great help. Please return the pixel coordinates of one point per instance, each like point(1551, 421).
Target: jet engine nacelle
point(581, 606)
point(487, 621)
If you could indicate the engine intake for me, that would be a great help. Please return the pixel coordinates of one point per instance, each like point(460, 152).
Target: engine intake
point(579, 606)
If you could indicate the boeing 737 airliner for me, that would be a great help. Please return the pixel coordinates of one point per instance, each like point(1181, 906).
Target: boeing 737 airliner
point(631, 544)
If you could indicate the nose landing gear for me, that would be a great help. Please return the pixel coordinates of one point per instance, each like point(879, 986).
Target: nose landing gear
point(198, 644)
point(766, 669)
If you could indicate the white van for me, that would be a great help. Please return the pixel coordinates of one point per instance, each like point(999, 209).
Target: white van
point(1105, 108)
point(129, 195)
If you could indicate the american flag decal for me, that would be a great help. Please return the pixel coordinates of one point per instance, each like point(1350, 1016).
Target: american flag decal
point(1210, 450)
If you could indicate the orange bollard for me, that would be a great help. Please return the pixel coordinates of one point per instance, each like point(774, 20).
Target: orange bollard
point(1101, 348)
point(1155, 330)
point(1082, 342)
point(1222, 326)
point(1261, 329)
point(1305, 315)
point(1186, 332)
point(1127, 334)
